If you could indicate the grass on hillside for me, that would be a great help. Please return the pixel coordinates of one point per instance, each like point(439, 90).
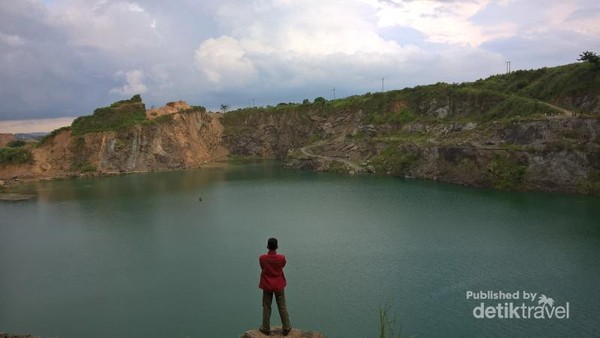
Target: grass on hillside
point(520, 94)
point(118, 115)
point(547, 84)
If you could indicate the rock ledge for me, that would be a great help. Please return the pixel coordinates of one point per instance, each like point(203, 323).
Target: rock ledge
point(277, 332)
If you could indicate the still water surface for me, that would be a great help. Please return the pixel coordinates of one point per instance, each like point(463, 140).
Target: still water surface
point(141, 256)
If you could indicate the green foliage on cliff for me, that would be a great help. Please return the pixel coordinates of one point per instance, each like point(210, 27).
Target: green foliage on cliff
point(118, 115)
point(395, 160)
point(164, 118)
point(566, 84)
point(84, 167)
point(506, 173)
point(591, 186)
point(16, 143)
point(18, 155)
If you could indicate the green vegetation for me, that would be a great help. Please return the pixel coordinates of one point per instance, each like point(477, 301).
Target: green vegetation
point(11, 155)
point(590, 57)
point(118, 115)
point(506, 173)
point(592, 185)
point(395, 159)
point(85, 167)
point(16, 143)
point(555, 85)
point(520, 94)
point(516, 106)
point(164, 118)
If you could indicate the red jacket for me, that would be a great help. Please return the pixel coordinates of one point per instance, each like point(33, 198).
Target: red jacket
point(271, 277)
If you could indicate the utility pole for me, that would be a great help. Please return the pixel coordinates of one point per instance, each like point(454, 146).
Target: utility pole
point(253, 105)
point(382, 80)
point(508, 67)
point(333, 93)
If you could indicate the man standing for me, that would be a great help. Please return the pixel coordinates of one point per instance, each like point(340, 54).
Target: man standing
point(272, 281)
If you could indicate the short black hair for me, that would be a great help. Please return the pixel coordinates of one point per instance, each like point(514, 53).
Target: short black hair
point(272, 243)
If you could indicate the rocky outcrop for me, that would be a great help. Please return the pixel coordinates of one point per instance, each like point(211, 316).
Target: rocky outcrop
point(169, 108)
point(272, 134)
point(555, 154)
point(184, 139)
point(277, 332)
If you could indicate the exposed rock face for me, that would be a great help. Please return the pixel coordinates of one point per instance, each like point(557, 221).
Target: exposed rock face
point(451, 141)
point(273, 135)
point(277, 332)
point(169, 108)
point(556, 153)
point(189, 140)
point(185, 140)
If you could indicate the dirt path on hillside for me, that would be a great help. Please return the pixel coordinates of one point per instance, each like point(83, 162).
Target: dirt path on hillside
point(305, 150)
point(566, 112)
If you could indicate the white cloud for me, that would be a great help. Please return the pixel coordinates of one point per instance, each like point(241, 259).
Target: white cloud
point(11, 40)
point(440, 21)
point(224, 62)
point(133, 7)
point(113, 26)
point(134, 83)
point(308, 42)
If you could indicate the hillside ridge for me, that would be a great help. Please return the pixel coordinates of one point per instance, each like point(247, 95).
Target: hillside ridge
point(527, 130)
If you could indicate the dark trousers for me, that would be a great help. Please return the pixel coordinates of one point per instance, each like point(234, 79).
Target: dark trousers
point(283, 314)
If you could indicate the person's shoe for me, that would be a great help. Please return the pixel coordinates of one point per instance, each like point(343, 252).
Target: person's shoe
point(285, 332)
point(264, 331)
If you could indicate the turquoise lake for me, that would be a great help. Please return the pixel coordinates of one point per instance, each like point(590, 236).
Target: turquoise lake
point(141, 256)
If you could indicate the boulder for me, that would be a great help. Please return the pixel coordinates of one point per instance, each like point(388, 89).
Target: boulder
point(277, 332)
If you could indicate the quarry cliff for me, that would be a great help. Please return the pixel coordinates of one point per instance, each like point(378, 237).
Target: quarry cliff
point(176, 136)
point(528, 130)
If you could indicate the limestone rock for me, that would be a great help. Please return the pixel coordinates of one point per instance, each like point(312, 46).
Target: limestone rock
point(277, 333)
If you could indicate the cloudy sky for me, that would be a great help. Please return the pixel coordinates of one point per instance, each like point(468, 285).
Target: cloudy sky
point(62, 58)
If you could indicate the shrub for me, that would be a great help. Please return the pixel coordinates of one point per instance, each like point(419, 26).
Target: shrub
point(395, 160)
point(320, 100)
point(164, 118)
point(506, 173)
point(10, 155)
point(16, 143)
point(118, 115)
point(85, 167)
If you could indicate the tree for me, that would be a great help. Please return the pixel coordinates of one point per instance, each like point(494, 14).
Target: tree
point(224, 108)
point(320, 99)
point(590, 57)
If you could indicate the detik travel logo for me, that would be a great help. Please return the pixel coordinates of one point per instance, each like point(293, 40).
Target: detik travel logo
point(516, 305)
